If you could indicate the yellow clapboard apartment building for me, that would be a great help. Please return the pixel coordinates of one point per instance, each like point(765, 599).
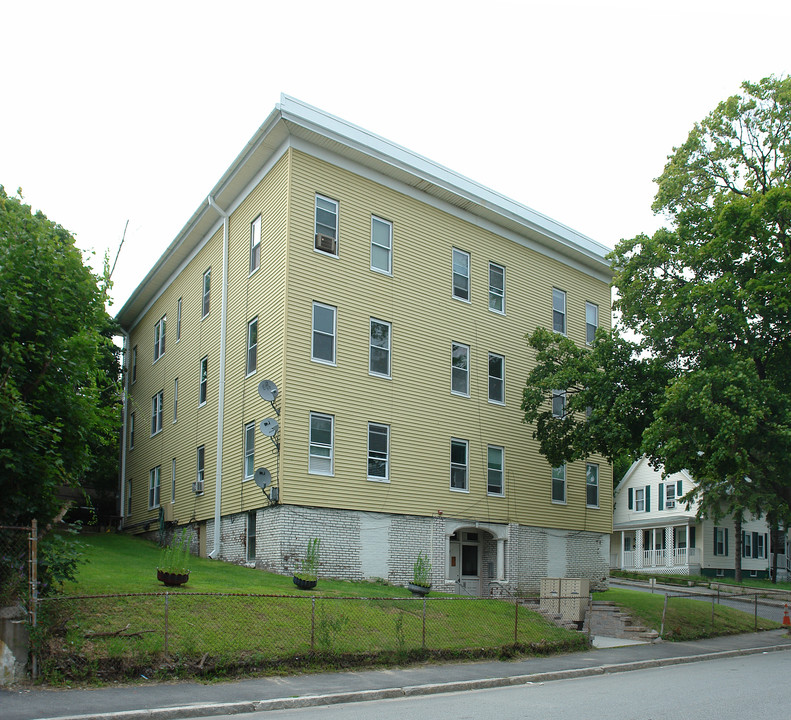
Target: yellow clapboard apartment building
point(334, 347)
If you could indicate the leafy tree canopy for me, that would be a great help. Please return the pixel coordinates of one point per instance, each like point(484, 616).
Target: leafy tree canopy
point(705, 387)
point(58, 367)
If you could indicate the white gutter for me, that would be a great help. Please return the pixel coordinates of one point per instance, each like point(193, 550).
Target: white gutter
point(221, 395)
point(124, 413)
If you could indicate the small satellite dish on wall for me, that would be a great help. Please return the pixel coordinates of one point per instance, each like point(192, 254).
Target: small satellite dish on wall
point(269, 427)
point(267, 390)
point(262, 478)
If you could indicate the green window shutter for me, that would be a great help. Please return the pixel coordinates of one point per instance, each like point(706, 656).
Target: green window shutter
point(661, 499)
point(648, 498)
point(692, 536)
point(743, 537)
point(766, 545)
point(726, 541)
point(631, 498)
point(755, 544)
point(715, 541)
point(678, 490)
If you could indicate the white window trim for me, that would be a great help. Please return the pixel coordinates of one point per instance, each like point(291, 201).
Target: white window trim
point(389, 271)
point(377, 478)
point(157, 411)
point(200, 472)
point(160, 326)
point(134, 365)
point(468, 299)
point(255, 223)
point(248, 371)
point(313, 357)
point(587, 485)
point(489, 377)
point(205, 360)
point(560, 394)
point(331, 446)
point(178, 320)
point(173, 481)
point(132, 431)
point(155, 487)
point(337, 225)
point(175, 400)
point(248, 451)
point(502, 471)
point(388, 375)
point(501, 267)
point(640, 500)
point(565, 311)
point(564, 501)
point(466, 488)
point(466, 393)
point(595, 325)
point(206, 295)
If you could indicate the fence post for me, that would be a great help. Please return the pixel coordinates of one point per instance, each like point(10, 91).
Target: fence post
point(312, 621)
point(424, 622)
point(713, 598)
point(167, 599)
point(516, 620)
point(664, 613)
point(755, 599)
point(33, 574)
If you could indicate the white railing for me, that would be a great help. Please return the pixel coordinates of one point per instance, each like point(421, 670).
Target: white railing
point(657, 558)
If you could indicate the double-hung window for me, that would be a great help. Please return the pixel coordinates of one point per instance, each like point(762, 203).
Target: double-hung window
point(134, 363)
point(175, 399)
point(156, 412)
point(379, 353)
point(496, 378)
point(591, 322)
point(252, 345)
point(670, 496)
point(323, 342)
point(496, 288)
point(178, 320)
point(558, 403)
point(639, 499)
point(153, 487)
point(201, 464)
point(204, 381)
point(720, 541)
point(378, 452)
point(173, 480)
point(495, 470)
point(461, 274)
point(558, 311)
point(592, 485)
point(381, 245)
point(255, 244)
point(559, 484)
point(326, 239)
point(131, 430)
point(249, 450)
point(460, 369)
point(320, 459)
point(159, 337)
point(206, 291)
point(459, 465)
point(747, 549)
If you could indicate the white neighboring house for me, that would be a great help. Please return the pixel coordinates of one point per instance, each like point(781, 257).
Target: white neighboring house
point(655, 533)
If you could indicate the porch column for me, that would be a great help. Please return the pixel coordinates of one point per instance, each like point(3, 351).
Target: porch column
point(670, 546)
point(500, 559)
point(638, 548)
point(623, 549)
point(447, 558)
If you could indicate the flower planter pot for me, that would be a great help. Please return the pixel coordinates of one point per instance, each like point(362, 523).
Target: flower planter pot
point(304, 584)
point(419, 589)
point(172, 579)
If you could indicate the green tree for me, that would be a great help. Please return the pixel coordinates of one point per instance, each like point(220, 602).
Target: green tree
point(705, 386)
point(59, 389)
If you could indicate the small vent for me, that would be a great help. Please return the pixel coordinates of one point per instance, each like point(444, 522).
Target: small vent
point(325, 243)
point(197, 487)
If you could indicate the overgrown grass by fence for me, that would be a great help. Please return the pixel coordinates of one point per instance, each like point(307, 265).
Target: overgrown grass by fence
point(183, 634)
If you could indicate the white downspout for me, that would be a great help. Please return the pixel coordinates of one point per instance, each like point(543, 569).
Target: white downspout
point(124, 414)
point(221, 394)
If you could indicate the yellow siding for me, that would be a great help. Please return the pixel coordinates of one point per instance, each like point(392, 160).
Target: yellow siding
point(417, 402)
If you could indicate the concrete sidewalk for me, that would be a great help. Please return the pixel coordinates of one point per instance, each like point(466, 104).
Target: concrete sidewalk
point(163, 701)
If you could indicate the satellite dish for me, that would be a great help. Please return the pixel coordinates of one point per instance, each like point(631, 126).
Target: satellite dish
point(269, 427)
point(267, 390)
point(262, 478)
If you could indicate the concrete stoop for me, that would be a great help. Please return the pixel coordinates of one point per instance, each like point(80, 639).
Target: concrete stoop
point(608, 620)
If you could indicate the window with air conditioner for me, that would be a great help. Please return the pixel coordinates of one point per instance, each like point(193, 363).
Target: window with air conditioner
point(326, 225)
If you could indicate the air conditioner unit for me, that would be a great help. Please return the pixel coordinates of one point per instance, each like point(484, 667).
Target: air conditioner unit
point(197, 487)
point(325, 243)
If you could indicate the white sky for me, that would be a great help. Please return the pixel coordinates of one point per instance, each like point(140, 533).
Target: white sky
point(132, 111)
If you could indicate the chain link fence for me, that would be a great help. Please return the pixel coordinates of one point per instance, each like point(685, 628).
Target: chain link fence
point(18, 548)
point(187, 633)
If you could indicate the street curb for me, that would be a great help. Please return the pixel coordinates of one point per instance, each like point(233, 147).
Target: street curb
point(304, 701)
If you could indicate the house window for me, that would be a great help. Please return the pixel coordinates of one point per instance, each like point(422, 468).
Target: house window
point(206, 291)
point(496, 288)
point(204, 380)
point(591, 322)
point(153, 487)
point(496, 378)
point(175, 399)
point(379, 354)
point(378, 452)
point(251, 536)
point(670, 496)
point(323, 345)
point(134, 364)
point(178, 320)
point(381, 245)
point(720, 541)
point(559, 484)
point(639, 499)
point(201, 462)
point(326, 225)
point(461, 274)
point(131, 430)
point(558, 311)
point(249, 450)
point(747, 549)
point(460, 369)
point(252, 345)
point(173, 480)
point(459, 468)
point(255, 244)
point(592, 485)
point(558, 403)
point(156, 412)
point(320, 460)
point(159, 337)
point(494, 470)
point(129, 498)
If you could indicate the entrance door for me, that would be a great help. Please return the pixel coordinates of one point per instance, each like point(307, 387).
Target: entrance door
point(465, 562)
